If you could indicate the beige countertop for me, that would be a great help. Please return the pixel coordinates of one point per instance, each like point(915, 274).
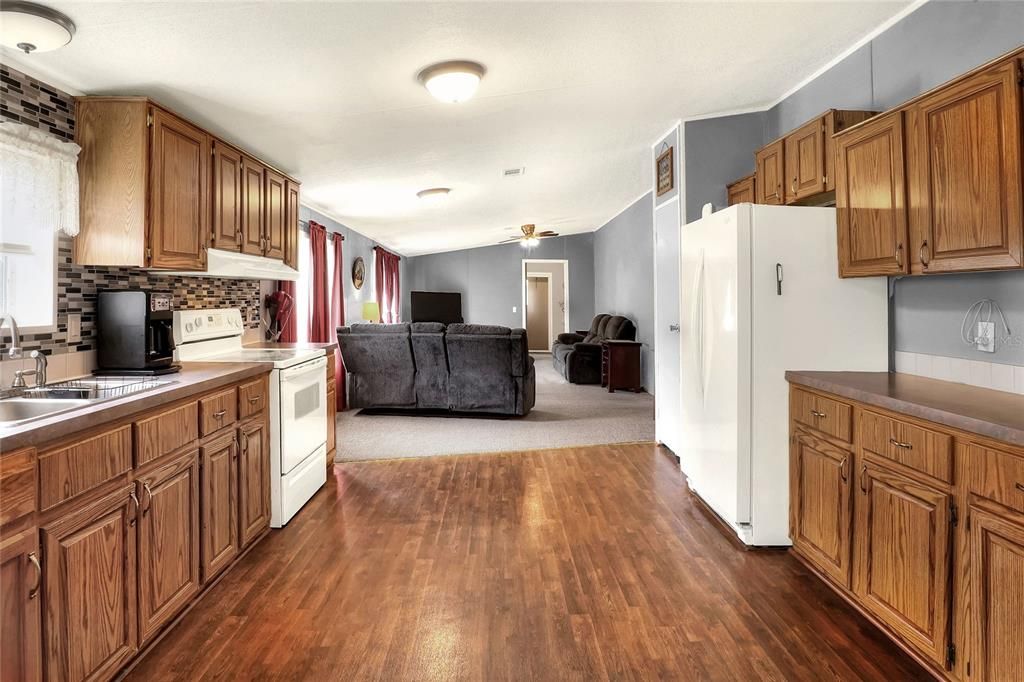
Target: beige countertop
point(194, 378)
point(983, 411)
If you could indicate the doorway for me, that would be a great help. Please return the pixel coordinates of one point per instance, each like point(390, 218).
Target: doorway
point(545, 302)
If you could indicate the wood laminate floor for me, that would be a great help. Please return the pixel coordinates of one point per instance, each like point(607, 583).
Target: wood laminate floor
point(577, 564)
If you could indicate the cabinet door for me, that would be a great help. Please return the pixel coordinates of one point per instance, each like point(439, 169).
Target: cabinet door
point(168, 542)
point(805, 161)
point(871, 208)
point(90, 627)
point(275, 197)
point(820, 499)
point(253, 480)
point(179, 191)
point(902, 550)
point(966, 205)
point(219, 505)
point(997, 587)
point(252, 209)
point(770, 174)
point(332, 433)
point(228, 199)
point(291, 225)
point(741, 191)
point(20, 581)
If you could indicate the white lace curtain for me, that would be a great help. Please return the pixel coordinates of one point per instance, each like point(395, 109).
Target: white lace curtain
point(38, 181)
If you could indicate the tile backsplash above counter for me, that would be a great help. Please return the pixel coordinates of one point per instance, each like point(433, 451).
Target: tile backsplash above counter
point(999, 377)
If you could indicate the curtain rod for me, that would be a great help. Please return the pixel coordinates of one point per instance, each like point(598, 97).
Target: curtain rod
point(381, 248)
point(306, 224)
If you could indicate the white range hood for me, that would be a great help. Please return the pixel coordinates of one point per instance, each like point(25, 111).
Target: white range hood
point(234, 265)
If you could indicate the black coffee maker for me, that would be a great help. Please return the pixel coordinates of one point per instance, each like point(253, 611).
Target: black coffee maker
point(135, 333)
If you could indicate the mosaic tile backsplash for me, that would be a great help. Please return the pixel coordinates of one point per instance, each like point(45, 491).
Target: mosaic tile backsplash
point(29, 101)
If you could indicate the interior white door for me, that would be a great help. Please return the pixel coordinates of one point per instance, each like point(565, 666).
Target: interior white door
point(666, 320)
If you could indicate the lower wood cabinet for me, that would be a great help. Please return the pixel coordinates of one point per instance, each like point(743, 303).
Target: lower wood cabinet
point(820, 505)
point(20, 582)
point(168, 541)
point(902, 557)
point(253, 480)
point(219, 505)
point(90, 628)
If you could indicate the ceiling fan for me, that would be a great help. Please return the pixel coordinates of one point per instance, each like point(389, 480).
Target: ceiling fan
point(530, 236)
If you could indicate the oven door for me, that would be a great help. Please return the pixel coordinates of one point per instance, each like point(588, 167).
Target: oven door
point(303, 411)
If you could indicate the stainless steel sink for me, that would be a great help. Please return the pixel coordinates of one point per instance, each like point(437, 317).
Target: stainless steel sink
point(14, 411)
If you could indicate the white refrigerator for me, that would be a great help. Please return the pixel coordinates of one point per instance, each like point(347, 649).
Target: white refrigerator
point(761, 294)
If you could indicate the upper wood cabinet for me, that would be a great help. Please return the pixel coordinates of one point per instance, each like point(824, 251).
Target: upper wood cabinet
point(770, 171)
point(291, 225)
point(275, 195)
point(158, 191)
point(871, 199)
point(742, 191)
point(20, 583)
point(805, 160)
point(228, 199)
point(965, 172)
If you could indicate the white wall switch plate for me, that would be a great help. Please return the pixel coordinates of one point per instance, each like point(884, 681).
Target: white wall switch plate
point(515, 309)
point(74, 327)
point(986, 337)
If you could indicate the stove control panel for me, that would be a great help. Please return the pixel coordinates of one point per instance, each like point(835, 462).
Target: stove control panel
point(202, 325)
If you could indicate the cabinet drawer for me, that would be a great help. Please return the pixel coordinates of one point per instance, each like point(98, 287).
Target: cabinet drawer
point(166, 432)
point(997, 475)
point(217, 411)
point(822, 414)
point(73, 470)
point(17, 485)
point(252, 398)
point(924, 450)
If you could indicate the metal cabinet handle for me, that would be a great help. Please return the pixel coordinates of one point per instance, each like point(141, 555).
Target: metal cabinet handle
point(794, 185)
point(899, 254)
point(220, 415)
point(149, 498)
point(864, 478)
point(900, 444)
point(921, 253)
point(255, 399)
point(842, 469)
point(820, 415)
point(34, 560)
point(135, 501)
point(1020, 487)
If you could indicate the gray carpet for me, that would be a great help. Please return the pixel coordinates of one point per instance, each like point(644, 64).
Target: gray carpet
point(565, 415)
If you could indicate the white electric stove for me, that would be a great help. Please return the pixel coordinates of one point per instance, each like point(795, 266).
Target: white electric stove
point(298, 401)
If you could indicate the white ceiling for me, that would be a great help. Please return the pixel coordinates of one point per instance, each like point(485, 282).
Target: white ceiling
point(575, 92)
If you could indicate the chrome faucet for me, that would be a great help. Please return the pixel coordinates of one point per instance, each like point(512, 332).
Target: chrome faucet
point(39, 372)
point(14, 352)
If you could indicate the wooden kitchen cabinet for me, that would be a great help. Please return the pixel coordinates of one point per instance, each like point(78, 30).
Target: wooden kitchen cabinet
point(228, 197)
point(275, 195)
point(168, 541)
point(871, 201)
point(965, 171)
point(742, 191)
point(332, 410)
point(770, 171)
point(253, 480)
point(20, 632)
point(805, 161)
point(291, 225)
point(219, 531)
point(902, 556)
point(253, 214)
point(820, 512)
point(90, 627)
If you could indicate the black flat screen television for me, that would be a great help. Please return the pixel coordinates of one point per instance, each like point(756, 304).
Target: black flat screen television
point(436, 306)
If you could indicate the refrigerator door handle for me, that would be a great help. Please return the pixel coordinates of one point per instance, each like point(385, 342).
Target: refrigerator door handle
point(778, 279)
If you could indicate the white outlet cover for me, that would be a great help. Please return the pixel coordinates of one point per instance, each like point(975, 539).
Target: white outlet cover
point(515, 309)
point(985, 340)
point(74, 327)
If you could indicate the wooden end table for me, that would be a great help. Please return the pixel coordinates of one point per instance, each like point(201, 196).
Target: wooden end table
point(620, 365)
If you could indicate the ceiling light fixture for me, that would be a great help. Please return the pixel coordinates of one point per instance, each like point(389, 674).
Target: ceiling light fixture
point(30, 28)
point(434, 195)
point(454, 81)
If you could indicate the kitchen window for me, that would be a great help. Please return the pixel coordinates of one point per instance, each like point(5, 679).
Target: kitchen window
point(38, 200)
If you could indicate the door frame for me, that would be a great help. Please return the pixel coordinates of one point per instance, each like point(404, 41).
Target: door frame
point(565, 288)
point(551, 303)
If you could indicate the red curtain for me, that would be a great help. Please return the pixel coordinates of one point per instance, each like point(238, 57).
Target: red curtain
point(319, 307)
point(290, 332)
point(387, 285)
point(338, 317)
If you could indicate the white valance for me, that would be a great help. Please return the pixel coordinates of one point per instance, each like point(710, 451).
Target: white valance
point(38, 180)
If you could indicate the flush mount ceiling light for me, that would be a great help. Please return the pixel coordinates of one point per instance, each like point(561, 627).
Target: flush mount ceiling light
point(454, 81)
point(30, 28)
point(434, 195)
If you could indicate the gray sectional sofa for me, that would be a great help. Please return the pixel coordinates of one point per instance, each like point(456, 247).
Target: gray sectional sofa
point(432, 366)
point(577, 356)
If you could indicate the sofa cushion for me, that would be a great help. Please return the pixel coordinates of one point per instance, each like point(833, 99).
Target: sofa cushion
point(481, 329)
point(431, 358)
point(379, 360)
point(427, 327)
point(366, 328)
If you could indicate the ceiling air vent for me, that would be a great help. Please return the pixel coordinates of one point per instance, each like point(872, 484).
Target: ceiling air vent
point(512, 172)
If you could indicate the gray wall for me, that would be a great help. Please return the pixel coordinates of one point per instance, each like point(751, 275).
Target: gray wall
point(937, 42)
point(356, 245)
point(624, 277)
point(718, 151)
point(490, 278)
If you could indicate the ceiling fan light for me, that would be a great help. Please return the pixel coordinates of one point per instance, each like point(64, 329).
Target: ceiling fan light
point(533, 241)
point(29, 27)
point(452, 82)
